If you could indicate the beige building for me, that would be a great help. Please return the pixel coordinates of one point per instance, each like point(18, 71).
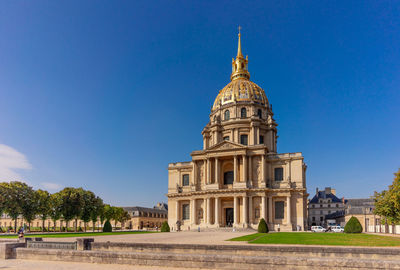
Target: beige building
point(238, 177)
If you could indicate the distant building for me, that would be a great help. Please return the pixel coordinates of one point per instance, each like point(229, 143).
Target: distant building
point(146, 218)
point(323, 203)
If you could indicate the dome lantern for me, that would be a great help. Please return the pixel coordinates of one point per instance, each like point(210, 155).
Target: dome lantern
point(239, 65)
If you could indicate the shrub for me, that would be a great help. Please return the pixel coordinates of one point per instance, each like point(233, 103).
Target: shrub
point(107, 226)
point(353, 226)
point(165, 227)
point(262, 226)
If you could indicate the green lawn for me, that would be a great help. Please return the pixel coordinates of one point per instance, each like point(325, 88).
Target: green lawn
point(83, 234)
point(331, 239)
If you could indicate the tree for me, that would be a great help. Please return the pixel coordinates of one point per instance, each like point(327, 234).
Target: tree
point(13, 201)
point(108, 212)
point(29, 203)
point(262, 226)
point(88, 206)
point(71, 204)
point(387, 202)
point(43, 204)
point(98, 209)
point(55, 208)
point(165, 227)
point(353, 226)
point(124, 217)
point(107, 226)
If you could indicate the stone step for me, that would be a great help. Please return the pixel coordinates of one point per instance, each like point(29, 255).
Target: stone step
point(208, 261)
point(254, 250)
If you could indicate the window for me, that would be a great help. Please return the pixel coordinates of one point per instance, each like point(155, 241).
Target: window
point(320, 205)
point(278, 174)
point(185, 211)
point(243, 139)
point(261, 140)
point(313, 206)
point(200, 213)
point(185, 180)
point(321, 218)
point(329, 211)
point(228, 178)
point(243, 113)
point(313, 218)
point(329, 206)
point(322, 212)
point(257, 213)
point(337, 205)
point(259, 113)
point(226, 115)
point(279, 210)
point(226, 138)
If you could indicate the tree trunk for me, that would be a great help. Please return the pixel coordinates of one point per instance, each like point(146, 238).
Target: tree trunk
point(15, 225)
point(43, 225)
point(29, 226)
point(76, 224)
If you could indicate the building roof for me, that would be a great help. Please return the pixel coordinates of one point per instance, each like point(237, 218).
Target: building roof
point(145, 209)
point(359, 206)
point(324, 195)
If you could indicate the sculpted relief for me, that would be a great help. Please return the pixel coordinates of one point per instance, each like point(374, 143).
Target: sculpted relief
point(256, 170)
point(200, 172)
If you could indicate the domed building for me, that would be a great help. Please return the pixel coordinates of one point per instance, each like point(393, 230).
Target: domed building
point(239, 178)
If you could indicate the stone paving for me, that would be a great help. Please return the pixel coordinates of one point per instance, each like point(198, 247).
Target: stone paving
point(186, 237)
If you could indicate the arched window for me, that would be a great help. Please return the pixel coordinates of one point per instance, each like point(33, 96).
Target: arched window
point(226, 115)
point(259, 113)
point(243, 113)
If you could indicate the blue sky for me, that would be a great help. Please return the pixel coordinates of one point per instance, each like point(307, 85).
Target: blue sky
point(104, 94)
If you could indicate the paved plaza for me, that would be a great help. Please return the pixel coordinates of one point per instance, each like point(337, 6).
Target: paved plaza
point(185, 237)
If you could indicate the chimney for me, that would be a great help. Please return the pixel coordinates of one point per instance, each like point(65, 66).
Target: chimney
point(316, 191)
point(327, 190)
point(333, 191)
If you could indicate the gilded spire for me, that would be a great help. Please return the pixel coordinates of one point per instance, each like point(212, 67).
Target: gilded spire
point(239, 52)
point(239, 65)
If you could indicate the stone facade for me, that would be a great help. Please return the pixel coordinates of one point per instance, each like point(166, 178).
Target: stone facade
point(239, 178)
point(324, 203)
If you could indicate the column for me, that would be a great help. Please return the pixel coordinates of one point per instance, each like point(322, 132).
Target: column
point(235, 169)
point(250, 170)
point(177, 210)
point(288, 218)
point(235, 210)
point(245, 212)
point(216, 171)
point(252, 140)
point(194, 173)
point(208, 171)
point(245, 168)
point(205, 171)
point(232, 136)
point(263, 168)
point(208, 211)
point(270, 210)
point(216, 221)
point(263, 206)
point(193, 211)
point(251, 211)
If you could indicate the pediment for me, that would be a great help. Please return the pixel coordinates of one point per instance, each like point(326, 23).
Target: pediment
point(226, 145)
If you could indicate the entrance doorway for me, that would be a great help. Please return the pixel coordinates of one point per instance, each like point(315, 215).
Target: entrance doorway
point(229, 217)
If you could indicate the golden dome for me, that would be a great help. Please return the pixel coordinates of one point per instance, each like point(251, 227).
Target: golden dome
point(240, 90)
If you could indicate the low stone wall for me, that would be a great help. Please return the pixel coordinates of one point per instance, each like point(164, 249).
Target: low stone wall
point(7, 250)
point(254, 250)
point(204, 260)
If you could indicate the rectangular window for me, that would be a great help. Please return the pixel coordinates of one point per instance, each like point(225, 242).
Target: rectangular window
point(261, 140)
point(226, 138)
point(321, 218)
point(313, 206)
point(278, 174)
point(185, 212)
point(313, 218)
point(279, 210)
point(243, 139)
point(185, 180)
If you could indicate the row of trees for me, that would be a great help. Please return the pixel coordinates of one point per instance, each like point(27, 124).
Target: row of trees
point(387, 202)
point(18, 199)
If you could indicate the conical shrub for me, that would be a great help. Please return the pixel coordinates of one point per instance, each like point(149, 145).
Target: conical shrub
point(353, 226)
point(107, 226)
point(165, 227)
point(262, 226)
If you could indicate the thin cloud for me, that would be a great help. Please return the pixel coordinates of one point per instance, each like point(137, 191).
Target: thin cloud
point(10, 162)
point(51, 186)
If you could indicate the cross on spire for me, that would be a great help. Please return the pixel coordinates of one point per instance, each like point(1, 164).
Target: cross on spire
point(239, 29)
